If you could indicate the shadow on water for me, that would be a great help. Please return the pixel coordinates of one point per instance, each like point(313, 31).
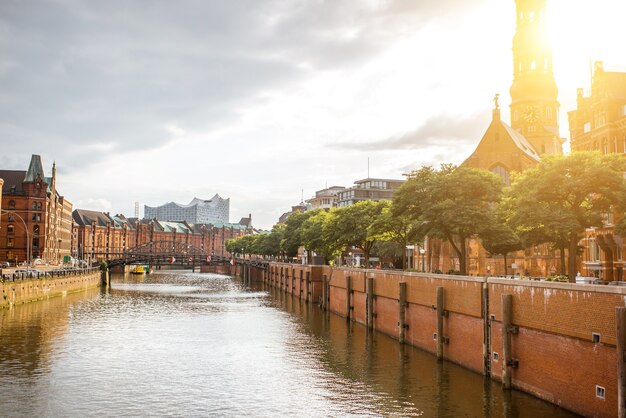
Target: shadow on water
point(407, 380)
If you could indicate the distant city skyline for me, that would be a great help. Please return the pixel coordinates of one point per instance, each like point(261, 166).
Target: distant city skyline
point(258, 101)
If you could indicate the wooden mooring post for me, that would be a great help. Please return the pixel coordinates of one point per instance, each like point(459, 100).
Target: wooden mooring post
point(440, 314)
point(348, 297)
point(402, 314)
point(507, 329)
point(369, 302)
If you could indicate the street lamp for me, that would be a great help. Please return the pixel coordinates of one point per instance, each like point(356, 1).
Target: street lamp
point(423, 253)
point(2, 211)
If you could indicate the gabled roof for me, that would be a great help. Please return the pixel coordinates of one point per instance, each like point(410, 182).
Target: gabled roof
point(496, 145)
point(521, 142)
point(85, 217)
point(12, 179)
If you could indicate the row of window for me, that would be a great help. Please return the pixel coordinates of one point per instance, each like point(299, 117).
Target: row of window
point(532, 16)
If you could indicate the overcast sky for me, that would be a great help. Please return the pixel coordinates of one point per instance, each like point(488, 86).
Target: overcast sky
point(156, 101)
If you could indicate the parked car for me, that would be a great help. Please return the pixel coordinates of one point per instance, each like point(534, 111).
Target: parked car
point(5, 264)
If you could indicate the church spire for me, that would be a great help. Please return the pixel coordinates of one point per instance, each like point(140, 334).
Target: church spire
point(534, 105)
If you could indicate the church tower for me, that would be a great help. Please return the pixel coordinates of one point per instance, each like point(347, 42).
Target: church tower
point(534, 105)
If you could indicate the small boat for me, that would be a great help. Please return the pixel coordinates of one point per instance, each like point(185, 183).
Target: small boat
point(138, 270)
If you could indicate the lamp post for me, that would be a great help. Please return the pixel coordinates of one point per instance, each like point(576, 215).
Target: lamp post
point(423, 253)
point(27, 235)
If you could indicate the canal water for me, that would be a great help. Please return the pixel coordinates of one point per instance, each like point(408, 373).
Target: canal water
point(190, 344)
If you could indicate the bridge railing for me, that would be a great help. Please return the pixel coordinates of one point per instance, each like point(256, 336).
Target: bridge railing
point(40, 275)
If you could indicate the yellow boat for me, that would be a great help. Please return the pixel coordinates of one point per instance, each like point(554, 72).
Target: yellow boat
point(138, 270)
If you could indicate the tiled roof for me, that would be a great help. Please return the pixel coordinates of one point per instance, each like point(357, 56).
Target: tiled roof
point(12, 178)
point(86, 217)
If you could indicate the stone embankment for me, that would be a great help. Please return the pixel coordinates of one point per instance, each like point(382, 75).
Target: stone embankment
point(19, 288)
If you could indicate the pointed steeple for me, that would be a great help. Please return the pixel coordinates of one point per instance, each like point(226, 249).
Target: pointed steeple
point(54, 176)
point(534, 105)
point(35, 169)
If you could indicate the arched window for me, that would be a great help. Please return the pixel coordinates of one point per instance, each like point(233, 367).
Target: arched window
point(39, 206)
point(10, 229)
point(12, 202)
point(34, 205)
point(502, 172)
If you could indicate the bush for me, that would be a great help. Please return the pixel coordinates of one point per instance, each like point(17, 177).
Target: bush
point(557, 278)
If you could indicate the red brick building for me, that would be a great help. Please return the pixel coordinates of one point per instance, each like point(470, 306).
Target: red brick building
point(36, 219)
point(99, 236)
point(599, 124)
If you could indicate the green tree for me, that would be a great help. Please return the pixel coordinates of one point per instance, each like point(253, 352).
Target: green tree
point(350, 225)
point(396, 227)
point(499, 239)
point(292, 238)
point(562, 196)
point(316, 235)
point(453, 203)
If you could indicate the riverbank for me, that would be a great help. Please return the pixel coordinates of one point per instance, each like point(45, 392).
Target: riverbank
point(18, 289)
point(556, 341)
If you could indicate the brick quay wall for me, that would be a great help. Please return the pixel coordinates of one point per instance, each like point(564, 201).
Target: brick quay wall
point(556, 341)
point(16, 289)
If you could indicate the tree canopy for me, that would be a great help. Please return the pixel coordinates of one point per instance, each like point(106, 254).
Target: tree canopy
point(453, 203)
point(558, 199)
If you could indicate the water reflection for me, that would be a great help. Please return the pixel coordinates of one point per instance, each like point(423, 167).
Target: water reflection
point(181, 343)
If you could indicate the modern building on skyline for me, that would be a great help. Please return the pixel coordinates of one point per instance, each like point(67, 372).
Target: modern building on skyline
point(368, 189)
point(199, 211)
point(325, 198)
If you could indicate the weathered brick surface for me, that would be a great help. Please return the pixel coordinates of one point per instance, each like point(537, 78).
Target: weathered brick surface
point(422, 322)
point(565, 371)
point(338, 301)
point(387, 313)
point(358, 307)
point(466, 341)
point(573, 310)
point(461, 295)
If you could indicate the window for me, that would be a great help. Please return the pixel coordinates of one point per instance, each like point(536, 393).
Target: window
point(10, 230)
point(12, 202)
point(599, 392)
point(10, 242)
point(34, 205)
point(35, 230)
point(502, 172)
